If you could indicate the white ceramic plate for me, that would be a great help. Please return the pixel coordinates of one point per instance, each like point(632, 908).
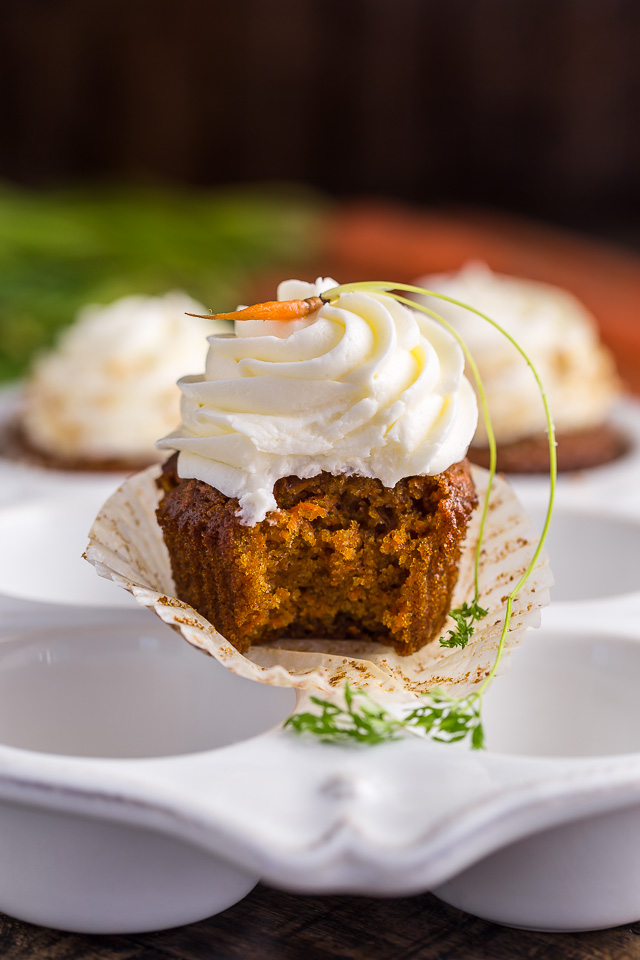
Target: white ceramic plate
point(45, 515)
point(142, 786)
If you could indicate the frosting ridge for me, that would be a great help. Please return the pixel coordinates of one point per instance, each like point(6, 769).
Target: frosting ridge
point(362, 386)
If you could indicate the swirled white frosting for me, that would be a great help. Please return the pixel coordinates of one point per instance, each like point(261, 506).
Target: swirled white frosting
point(363, 386)
point(108, 389)
point(553, 328)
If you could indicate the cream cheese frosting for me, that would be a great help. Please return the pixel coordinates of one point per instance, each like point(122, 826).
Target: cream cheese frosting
point(108, 390)
point(554, 329)
point(362, 386)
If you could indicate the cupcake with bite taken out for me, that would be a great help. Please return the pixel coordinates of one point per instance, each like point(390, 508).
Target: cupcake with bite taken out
point(100, 399)
point(560, 337)
point(319, 485)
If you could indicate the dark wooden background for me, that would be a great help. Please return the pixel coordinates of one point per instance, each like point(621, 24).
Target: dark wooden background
point(528, 105)
point(270, 925)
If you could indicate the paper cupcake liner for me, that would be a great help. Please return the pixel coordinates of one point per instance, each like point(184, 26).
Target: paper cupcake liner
point(126, 546)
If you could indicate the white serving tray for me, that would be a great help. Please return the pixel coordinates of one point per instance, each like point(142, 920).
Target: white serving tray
point(143, 786)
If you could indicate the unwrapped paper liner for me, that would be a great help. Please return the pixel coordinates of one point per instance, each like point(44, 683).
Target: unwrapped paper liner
point(126, 546)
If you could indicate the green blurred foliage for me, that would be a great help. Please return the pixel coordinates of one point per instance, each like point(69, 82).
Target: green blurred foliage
point(61, 250)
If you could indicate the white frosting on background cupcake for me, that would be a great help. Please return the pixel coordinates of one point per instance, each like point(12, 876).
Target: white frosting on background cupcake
point(362, 386)
point(108, 388)
point(555, 330)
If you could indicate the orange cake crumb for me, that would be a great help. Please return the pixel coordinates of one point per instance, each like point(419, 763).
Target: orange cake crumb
point(342, 557)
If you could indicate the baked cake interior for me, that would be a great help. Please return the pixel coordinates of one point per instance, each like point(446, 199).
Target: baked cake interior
point(344, 557)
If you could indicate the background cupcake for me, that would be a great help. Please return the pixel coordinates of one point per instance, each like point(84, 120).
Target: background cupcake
point(101, 398)
point(560, 336)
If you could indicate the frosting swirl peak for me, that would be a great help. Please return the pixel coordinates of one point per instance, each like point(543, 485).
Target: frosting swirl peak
point(362, 386)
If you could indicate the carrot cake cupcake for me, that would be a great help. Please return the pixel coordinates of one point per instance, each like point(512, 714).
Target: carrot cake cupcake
point(320, 486)
point(561, 338)
point(100, 399)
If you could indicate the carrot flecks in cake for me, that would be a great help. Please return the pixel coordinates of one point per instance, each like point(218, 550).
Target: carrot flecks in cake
point(341, 558)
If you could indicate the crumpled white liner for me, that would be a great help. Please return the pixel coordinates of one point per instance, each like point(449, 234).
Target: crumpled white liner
point(126, 546)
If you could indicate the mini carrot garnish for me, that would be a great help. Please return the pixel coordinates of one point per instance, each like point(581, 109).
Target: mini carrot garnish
point(271, 310)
